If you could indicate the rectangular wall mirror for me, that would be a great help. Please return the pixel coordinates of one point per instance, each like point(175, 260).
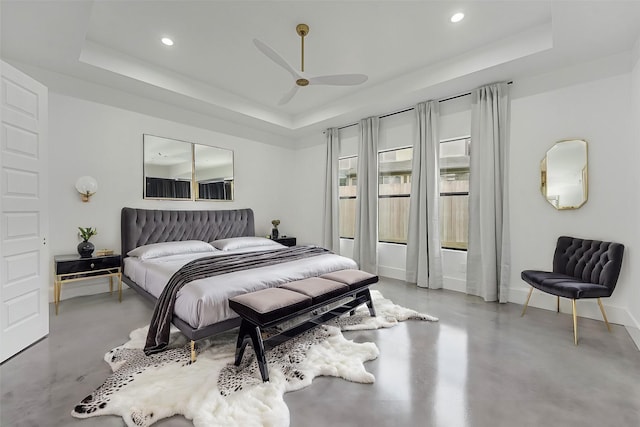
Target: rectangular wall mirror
point(180, 170)
point(213, 169)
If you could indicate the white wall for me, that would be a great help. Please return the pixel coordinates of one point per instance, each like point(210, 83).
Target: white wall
point(88, 138)
point(305, 177)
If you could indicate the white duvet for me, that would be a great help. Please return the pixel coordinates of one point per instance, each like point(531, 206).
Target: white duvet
point(204, 302)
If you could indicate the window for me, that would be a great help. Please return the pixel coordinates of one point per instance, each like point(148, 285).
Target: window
point(454, 193)
point(394, 189)
point(348, 167)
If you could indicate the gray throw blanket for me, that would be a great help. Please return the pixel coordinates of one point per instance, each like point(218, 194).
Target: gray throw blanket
point(158, 335)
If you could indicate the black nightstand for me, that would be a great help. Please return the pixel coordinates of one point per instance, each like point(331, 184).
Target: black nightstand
point(71, 268)
point(287, 241)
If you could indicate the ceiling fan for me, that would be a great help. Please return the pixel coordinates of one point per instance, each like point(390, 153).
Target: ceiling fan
point(301, 79)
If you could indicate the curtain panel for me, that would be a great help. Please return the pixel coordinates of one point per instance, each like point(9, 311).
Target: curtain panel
point(365, 242)
point(424, 254)
point(488, 255)
point(331, 230)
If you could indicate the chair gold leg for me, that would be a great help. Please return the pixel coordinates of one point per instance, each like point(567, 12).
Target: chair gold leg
point(575, 323)
point(527, 302)
point(193, 351)
point(558, 306)
point(604, 315)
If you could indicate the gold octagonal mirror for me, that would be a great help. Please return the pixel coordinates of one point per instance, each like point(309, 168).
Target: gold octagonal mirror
point(563, 174)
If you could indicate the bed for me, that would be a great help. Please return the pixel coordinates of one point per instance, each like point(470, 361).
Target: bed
point(201, 307)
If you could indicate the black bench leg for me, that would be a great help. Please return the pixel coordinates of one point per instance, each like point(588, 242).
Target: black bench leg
point(372, 309)
point(241, 344)
point(258, 347)
point(249, 330)
point(367, 295)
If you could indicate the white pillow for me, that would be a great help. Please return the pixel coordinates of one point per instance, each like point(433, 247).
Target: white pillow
point(156, 250)
point(241, 242)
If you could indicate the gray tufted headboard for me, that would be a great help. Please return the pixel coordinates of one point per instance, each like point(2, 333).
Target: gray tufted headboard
point(145, 226)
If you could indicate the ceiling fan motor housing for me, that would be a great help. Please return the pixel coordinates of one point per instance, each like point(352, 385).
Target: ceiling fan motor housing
point(302, 29)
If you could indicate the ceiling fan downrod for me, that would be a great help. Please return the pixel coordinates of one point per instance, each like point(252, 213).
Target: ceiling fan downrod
point(302, 30)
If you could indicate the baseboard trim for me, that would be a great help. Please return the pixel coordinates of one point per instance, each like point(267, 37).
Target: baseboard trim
point(392, 272)
point(454, 284)
point(634, 330)
point(635, 335)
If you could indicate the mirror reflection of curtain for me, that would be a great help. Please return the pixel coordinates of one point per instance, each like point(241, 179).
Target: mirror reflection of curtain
point(220, 190)
point(169, 188)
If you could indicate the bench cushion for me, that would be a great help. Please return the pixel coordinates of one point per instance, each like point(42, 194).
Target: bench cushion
point(317, 288)
point(353, 278)
point(267, 305)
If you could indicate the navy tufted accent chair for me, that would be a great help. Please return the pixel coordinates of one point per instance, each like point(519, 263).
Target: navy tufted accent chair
point(581, 269)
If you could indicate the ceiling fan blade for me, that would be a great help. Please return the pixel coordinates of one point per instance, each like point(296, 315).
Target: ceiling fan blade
point(287, 97)
point(339, 80)
point(275, 57)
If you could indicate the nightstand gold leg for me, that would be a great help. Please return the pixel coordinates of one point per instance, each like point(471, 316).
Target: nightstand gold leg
point(119, 287)
point(56, 295)
point(59, 294)
point(110, 285)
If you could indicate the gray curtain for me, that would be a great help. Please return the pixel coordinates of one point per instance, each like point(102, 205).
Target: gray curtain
point(488, 255)
point(331, 231)
point(365, 242)
point(424, 254)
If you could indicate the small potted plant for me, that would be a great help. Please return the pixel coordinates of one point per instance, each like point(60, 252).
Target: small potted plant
point(86, 248)
point(274, 230)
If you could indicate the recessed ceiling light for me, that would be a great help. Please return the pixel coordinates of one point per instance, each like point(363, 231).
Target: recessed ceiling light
point(457, 17)
point(167, 41)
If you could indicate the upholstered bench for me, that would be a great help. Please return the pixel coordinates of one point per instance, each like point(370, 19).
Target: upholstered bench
point(274, 315)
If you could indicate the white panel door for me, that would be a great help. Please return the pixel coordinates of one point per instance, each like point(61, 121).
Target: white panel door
point(24, 258)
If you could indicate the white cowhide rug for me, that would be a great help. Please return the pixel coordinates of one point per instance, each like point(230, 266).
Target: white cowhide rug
point(214, 392)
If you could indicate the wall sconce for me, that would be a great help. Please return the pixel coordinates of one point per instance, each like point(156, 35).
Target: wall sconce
point(87, 187)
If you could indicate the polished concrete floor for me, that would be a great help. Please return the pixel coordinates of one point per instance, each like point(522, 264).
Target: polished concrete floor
point(481, 365)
